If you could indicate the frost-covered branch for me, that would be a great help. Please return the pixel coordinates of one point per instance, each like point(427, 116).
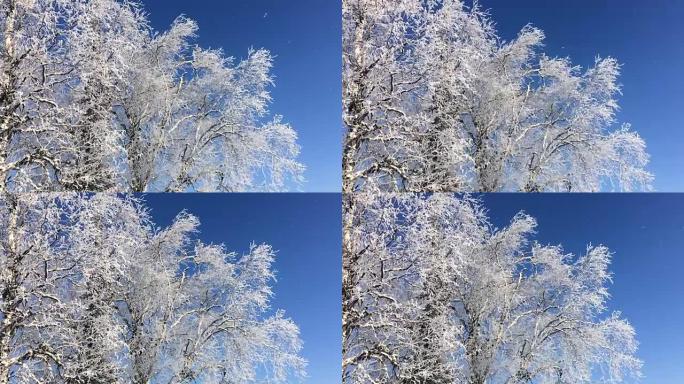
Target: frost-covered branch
point(93, 99)
point(91, 291)
point(434, 100)
point(437, 295)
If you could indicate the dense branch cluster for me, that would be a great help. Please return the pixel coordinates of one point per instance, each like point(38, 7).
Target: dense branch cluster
point(93, 99)
point(434, 294)
point(92, 292)
point(435, 101)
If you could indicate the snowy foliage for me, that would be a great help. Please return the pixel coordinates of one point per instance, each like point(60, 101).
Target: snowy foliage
point(434, 294)
point(92, 292)
point(434, 100)
point(93, 99)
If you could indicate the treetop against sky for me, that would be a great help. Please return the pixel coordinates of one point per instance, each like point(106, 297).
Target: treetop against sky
point(645, 232)
point(438, 99)
point(418, 242)
point(307, 257)
point(167, 287)
point(644, 36)
point(304, 38)
point(96, 98)
point(433, 292)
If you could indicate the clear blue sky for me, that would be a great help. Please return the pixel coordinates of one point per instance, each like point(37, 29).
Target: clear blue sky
point(305, 229)
point(305, 36)
point(646, 37)
point(646, 234)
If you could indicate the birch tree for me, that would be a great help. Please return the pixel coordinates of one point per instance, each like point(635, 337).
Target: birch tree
point(94, 292)
point(434, 100)
point(61, 260)
point(194, 313)
point(93, 99)
point(435, 293)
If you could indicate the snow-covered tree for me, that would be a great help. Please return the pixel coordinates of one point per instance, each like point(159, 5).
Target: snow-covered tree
point(193, 313)
point(61, 259)
point(92, 292)
point(434, 100)
point(93, 99)
point(433, 293)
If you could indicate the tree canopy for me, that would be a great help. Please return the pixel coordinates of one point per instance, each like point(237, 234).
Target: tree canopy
point(94, 292)
point(434, 100)
point(433, 293)
point(93, 99)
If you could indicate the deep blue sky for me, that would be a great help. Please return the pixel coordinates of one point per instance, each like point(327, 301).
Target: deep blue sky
point(305, 229)
point(646, 234)
point(305, 36)
point(646, 37)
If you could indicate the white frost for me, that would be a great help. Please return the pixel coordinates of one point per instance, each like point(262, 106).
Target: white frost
point(434, 100)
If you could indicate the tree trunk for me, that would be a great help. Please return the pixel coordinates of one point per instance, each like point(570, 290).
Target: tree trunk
point(10, 292)
point(7, 91)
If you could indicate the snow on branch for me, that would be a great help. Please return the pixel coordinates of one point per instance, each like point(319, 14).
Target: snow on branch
point(92, 291)
point(433, 293)
point(93, 99)
point(435, 101)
